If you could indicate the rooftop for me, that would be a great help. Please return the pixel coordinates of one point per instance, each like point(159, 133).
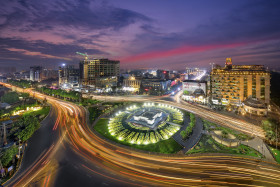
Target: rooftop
point(254, 102)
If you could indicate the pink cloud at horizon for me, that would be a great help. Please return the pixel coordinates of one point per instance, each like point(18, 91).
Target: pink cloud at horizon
point(179, 51)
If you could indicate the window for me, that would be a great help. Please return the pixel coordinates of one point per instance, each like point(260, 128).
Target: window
point(245, 87)
point(262, 87)
point(254, 86)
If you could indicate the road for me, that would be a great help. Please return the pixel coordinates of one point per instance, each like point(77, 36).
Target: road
point(208, 114)
point(73, 155)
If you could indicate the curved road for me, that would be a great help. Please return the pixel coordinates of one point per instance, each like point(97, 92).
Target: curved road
point(74, 156)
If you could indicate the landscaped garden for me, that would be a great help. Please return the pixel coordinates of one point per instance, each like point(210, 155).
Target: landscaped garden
point(208, 145)
point(165, 146)
point(147, 124)
point(185, 133)
point(209, 126)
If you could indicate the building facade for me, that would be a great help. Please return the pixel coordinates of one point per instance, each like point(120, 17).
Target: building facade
point(49, 74)
point(132, 83)
point(155, 86)
point(195, 91)
point(36, 73)
point(68, 76)
point(233, 84)
point(162, 74)
point(99, 73)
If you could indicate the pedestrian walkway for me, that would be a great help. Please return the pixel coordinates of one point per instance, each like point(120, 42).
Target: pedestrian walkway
point(193, 139)
point(258, 144)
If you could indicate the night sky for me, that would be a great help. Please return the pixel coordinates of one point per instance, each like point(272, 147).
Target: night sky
point(169, 34)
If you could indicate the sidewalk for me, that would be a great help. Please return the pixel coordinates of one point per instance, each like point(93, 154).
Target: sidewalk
point(193, 139)
point(258, 144)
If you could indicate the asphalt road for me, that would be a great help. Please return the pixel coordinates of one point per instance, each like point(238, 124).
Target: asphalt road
point(64, 152)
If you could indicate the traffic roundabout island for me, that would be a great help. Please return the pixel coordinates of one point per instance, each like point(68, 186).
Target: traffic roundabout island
point(146, 124)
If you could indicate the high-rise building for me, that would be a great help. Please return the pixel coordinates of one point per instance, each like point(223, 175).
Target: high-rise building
point(36, 73)
point(68, 76)
point(99, 73)
point(49, 74)
point(233, 84)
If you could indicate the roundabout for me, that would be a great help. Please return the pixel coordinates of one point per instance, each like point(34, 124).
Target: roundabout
point(86, 157)
point(146, 124)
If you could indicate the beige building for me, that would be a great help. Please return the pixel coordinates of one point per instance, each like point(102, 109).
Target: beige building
point(99, 72)
point(233, 84)
point(132, 83)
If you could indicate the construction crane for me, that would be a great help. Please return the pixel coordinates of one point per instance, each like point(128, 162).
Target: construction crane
point(83, 54)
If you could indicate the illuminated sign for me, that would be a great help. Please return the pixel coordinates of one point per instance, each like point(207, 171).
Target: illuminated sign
point(193, 86)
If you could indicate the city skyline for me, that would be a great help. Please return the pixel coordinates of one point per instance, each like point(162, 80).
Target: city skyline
point(141, 35)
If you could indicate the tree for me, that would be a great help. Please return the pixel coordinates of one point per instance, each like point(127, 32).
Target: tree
point(27, 126)
point(8, 155)
point(269, 127)
point(183, 134)
point(186, 92)
point(10, 97)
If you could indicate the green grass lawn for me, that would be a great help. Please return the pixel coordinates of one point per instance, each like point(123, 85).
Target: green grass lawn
point(166, 146)
point(276, 153)
point(208, 145)
point(238, 135)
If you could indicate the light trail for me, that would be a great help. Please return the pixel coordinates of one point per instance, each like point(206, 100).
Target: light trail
point(143, 168)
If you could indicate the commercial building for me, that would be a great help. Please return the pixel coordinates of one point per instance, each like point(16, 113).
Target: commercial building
point(68, 76)
point(49, 74)
point(162, 74)
point(36, 73)
point(233, 84)
point(155, 86)
point(194, 73)
point(195, 91)
point(132, 84)
point(99, 73)
point(254, 106)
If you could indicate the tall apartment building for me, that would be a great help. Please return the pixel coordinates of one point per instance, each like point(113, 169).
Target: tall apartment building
point(233, 84)
point(99, 73)
point(36, 73)
point(69, 75)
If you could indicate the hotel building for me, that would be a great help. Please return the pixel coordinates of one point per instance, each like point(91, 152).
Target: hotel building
point(233, 84)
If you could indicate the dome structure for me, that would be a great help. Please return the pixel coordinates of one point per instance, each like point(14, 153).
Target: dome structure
point(255, 106)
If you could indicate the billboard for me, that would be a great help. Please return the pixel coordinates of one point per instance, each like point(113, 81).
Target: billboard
point(190, 87)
